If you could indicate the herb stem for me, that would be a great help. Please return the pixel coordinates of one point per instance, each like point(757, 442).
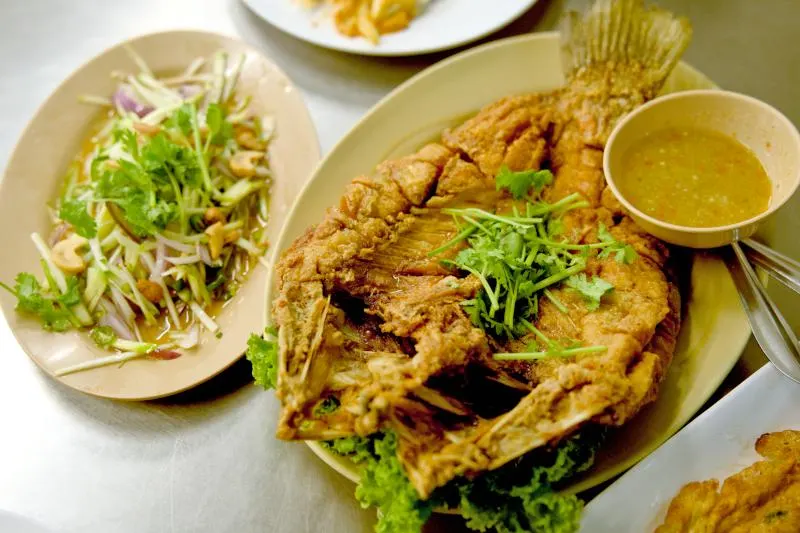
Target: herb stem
point(463, 234)
point(555, 301)
point(533, 356)
point(559, 276)
point(539, 335)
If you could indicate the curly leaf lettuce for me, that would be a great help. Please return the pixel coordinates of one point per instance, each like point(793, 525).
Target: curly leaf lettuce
point(384, 485)
point(517, 498)
point(262, 352)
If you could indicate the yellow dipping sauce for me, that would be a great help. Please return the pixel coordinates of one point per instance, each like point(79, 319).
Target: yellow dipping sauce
point(694, 177)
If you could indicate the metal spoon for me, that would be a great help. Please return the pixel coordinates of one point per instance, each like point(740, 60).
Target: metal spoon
point(770, 328)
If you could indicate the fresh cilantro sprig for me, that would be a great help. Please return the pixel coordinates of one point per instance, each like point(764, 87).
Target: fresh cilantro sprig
point(519, 256)
point(623, 252)
point(520, 183)
point(592, 289)
point(52, 309)
point(75, 213)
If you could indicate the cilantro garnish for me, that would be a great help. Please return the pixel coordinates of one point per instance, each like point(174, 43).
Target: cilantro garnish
point(51, 308)
point(74, 212)
point(519, 256)
point(623, 252)
point(520, 183)
point(591, 289)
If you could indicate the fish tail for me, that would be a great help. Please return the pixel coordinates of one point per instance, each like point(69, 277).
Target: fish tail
point(628, 32)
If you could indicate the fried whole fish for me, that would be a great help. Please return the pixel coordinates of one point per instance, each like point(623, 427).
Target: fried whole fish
point(367, 316)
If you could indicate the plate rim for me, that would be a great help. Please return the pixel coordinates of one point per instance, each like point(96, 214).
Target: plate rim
point(380, 52)
point(315, 148)
point(767, 371)
point(344, 466)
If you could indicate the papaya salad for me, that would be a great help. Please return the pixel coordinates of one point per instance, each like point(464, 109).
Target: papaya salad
point(161, 216)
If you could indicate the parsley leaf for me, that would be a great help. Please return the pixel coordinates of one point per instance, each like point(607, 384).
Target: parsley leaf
point(519, 183)
point(592, 290)
point(74, 212)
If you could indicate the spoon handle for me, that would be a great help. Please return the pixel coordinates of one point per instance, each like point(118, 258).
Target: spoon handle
point(770, 329)
point(784, 269)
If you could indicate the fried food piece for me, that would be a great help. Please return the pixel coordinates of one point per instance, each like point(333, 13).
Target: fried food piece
point(365, 314)
point(762, 498)
point(371, 18)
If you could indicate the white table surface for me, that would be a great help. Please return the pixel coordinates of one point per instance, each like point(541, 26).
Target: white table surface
point(206, 461)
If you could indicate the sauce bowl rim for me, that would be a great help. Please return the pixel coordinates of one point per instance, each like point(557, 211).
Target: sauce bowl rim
point(716, 93)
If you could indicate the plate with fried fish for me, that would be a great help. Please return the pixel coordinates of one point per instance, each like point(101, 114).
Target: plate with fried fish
point(389, 27)
point(462, 315)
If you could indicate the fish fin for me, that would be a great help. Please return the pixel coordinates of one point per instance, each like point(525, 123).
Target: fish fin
point(625, 31)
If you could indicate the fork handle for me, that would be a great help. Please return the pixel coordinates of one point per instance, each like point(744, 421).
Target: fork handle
point(784, 269)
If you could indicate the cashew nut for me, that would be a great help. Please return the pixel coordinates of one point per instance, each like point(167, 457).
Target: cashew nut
point(65, 254)
point(247, 139)
point(232, 236)
point(243, 164)
point(150, 290)
point(216, 239)
point(146, 129)
point(213, 215)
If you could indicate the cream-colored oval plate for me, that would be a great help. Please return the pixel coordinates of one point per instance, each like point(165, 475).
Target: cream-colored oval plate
point(40, 160)
point(714, 329)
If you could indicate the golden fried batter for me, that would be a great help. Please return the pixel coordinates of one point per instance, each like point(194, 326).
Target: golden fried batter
point(762, 498)
point(365, 314)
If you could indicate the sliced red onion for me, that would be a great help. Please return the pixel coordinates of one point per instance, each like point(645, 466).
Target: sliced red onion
point(58, 233)
point(122, 305)
point(188, 91)
point(202, 251)
point(124, 100)
point(164, 355)
point(175, 245)
point(111, 319)
point(158, 268)
point(189, 339)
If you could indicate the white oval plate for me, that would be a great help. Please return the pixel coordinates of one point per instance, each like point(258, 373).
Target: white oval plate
point(444, 24)
point(37, 168)
point(715, 329)
point(715, 445)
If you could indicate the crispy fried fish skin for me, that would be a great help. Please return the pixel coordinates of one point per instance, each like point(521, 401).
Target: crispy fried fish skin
point(365, 313)
point(762, 498)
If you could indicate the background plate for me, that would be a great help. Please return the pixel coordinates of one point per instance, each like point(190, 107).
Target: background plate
point(37, 167)
point(714, 329)
point(720, 442)
point(444, 24)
